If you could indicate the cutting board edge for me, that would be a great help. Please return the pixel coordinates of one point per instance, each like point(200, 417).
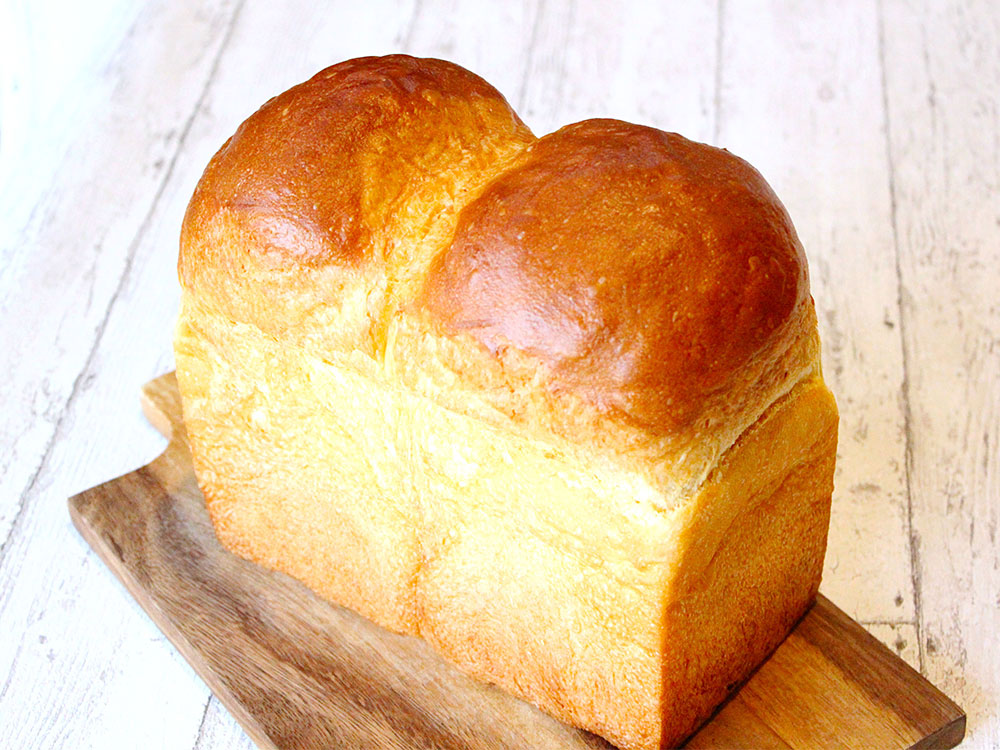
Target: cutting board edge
point(110, 556)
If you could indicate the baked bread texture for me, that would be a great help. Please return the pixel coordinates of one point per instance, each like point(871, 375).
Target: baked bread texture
point(552, 404)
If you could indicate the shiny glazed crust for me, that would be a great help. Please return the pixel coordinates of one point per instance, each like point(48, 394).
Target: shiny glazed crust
point(647, 272)
point(553, 405)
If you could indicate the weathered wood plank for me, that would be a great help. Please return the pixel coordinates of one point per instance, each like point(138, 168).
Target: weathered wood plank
point(801, 100)
point(491, 39)
point(54, 58)
point(651, 63)
point(72, 655)
point(942, 74)
point(65, 255)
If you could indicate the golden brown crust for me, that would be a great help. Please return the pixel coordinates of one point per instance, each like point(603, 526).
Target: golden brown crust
point(645, 270)
point(298, 171)
point(334, 191)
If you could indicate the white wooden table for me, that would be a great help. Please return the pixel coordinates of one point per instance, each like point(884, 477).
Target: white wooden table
point(877, 122)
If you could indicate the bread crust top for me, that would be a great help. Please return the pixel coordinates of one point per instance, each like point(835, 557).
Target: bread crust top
point(312, 173)
point(645, 270)
point(658, 280)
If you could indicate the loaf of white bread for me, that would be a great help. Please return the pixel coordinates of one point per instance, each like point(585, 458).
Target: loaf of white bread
point(552, 404)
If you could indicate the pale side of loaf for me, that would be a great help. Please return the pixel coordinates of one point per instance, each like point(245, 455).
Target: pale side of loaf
point(553, 405)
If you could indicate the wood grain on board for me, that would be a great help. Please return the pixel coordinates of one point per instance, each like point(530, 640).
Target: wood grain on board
point(297, 672)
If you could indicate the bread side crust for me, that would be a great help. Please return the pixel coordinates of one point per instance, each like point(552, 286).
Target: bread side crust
point(520, 561)
point(755, 558)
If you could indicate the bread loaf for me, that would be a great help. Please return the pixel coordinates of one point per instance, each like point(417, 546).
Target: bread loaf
point(552, 404)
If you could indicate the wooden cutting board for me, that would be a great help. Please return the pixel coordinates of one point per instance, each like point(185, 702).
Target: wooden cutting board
point(297, 672)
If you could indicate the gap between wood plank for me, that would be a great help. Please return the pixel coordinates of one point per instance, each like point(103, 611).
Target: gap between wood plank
point(720, 10)
point(532, 44)
point(201, 724)
point(15, 525)
point(411, 28)
point(10, 673)
point(905, 385)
